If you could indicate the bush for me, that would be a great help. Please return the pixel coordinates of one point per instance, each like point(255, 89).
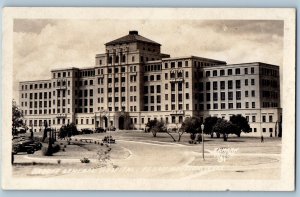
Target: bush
point(85, 160)
point(47, 151)
point(56, 148)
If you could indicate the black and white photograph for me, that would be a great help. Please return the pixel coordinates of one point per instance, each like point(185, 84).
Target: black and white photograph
point(149, 99)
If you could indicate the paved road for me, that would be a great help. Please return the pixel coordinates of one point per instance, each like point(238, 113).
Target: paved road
point(148, 159)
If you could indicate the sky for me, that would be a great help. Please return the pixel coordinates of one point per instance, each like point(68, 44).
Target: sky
point(41, 45)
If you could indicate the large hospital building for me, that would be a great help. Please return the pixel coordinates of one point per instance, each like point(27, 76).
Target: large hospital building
point(133, 82)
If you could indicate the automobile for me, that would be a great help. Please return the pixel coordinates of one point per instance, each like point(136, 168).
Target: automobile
point(86, 131)
point(22, 147)
point(109, 139)
point(112, 128)
point(28, 142)
point(100, 130)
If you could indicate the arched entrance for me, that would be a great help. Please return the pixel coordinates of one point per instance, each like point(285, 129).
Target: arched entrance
point(105, 122)
point(121, 122)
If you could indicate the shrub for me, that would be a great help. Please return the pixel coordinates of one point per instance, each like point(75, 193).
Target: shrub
point(47, 151)
point(85, 160)
point(56, 148)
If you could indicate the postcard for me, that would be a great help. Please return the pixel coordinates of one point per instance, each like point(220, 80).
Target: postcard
point(171, 99)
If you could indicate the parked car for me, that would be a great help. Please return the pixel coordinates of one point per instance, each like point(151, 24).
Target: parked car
point(109, 139)
point(23, 141)
point(112, 128)
point(23, 146)
point(100, 130)
point(86, 131)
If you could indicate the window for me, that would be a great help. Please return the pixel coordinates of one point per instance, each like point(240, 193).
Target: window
point(229, 84)
point(252, 70)
point(207, 85)
point(215, 73)
point(246, 93)
point(238, 105)
point(253, 93)
point(215, 105)
point(222, 85)
point(222, 96)
point(230, 105)
point(173, 97)
point(179, 86)
point(246, 82)
point(187, 85)
point(215, 96)
point(238, 83)
point(179, 64)
point(223, 106)
point(207, 96)
point(270, 118)
point(252, 82)
point(230, 96)
point(151, 89)
point(222, 72)
point(215, 85)
point(247, 104)
point(187, 96)
point(208, 106)
point(238, 95)
point(207, 73)
point(253, 104)
point(172, 64)
point(187, 107)
point(237, 71)
point(229, 71)
point(246, 71)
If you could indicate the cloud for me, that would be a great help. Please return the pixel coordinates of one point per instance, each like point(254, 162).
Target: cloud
point(42, 45)
point(36, 26)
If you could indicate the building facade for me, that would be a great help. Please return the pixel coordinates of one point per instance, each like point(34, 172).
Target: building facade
point(133, 82)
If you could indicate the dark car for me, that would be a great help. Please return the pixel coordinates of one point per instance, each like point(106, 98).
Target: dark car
point(23, 146)
point(100, 130)
point(112, 128)
point(86, 131)
point(23, 141)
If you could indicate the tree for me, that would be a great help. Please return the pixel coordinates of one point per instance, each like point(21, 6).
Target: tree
point(156, 126)
point(225, 127)
point(192, 126)
point(17, 118)
point(68, 130)
point(209, 123)
point(241, 123)
point(177, 130)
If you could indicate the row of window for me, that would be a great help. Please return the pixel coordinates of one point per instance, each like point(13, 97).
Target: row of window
point(269, 72)
point(237, 71)
point(154, 67)
point(36, 86)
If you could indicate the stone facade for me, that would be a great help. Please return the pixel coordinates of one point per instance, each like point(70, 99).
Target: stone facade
point(133, 82)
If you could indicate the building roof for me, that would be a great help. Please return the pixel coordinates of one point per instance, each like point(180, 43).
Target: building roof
point(133, 36)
